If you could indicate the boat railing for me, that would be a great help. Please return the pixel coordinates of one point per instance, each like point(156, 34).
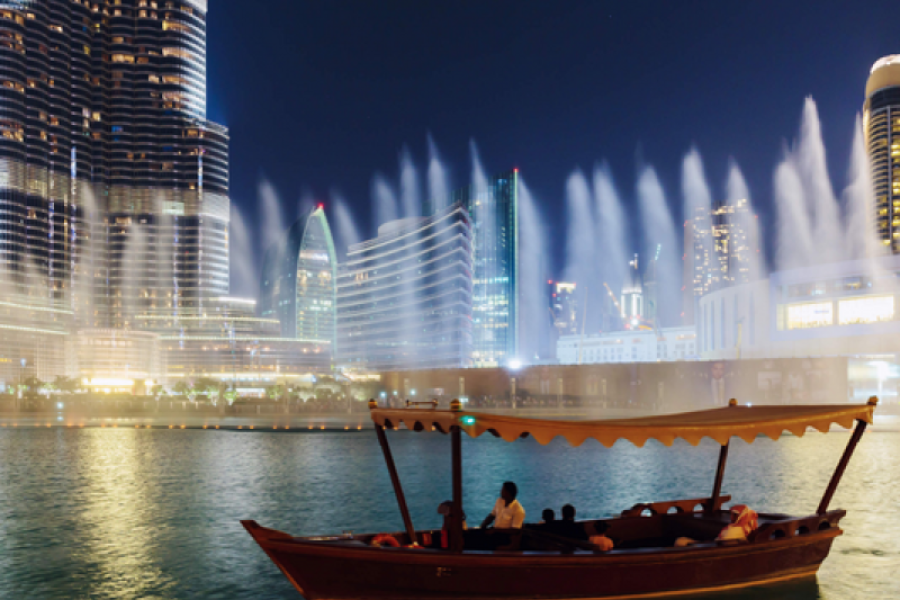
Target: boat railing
point(793, 527)
point(680, 506)
point(431, 403)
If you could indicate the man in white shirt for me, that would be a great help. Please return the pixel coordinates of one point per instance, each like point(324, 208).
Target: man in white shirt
point(507, 513)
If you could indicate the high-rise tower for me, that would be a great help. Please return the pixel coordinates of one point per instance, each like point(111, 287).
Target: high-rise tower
point(493, 205)
point(881, 123)
point(113, 186)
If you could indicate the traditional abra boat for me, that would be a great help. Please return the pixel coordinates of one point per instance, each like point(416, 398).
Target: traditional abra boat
point(644, 562)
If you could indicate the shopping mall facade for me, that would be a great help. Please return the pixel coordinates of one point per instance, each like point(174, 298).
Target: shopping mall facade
point(847, 309)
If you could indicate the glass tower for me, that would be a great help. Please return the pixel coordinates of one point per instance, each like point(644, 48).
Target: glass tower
point(881, 123)
point(298, 281)
point(493, 207)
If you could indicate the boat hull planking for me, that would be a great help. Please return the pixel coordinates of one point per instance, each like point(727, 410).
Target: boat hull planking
point(327, 570)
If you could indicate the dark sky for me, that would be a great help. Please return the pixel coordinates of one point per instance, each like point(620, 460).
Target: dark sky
point(321, 95)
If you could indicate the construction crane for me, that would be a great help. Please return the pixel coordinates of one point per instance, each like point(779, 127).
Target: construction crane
point(615, 300)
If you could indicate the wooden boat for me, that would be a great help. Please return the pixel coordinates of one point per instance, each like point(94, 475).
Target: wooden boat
point(644, 562)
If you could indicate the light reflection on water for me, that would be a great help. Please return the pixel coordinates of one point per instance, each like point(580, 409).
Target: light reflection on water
point(154, 514)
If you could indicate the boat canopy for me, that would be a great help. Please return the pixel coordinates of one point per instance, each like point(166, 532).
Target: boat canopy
point(719, 424)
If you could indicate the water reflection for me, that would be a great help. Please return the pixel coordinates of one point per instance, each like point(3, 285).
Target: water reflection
point(115, 532)
point(125, 513)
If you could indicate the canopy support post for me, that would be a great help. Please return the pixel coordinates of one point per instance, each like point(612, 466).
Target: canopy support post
point(842, 464)
point(456, 522)
point(720, 470)
point(720, 474)
point(395, 481)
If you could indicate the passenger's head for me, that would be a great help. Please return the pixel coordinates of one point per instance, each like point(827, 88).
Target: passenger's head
point(548, 515)
point(509, 491)
point(568, 512)
point(600, 527)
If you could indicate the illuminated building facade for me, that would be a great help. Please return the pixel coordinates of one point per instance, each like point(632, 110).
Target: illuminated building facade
point(298, 281)
point(34, 339)
point(404, 299)
point(665, 344)
point(839, 309)
point(493, 207)
point(718, 252)
point(226, 340)
point(564, 307)
point(113, 186)
point(881, 123)
point(117, 360)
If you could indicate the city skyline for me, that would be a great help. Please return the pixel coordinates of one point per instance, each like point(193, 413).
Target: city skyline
point(346, 131)
point(122, 186)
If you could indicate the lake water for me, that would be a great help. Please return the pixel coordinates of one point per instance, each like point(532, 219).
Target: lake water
point(125, 513)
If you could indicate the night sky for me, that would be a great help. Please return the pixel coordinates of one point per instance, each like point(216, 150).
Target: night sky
point(319, 96)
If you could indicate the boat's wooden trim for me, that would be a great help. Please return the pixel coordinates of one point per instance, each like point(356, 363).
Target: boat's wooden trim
point(784, 578)
point(524, 558)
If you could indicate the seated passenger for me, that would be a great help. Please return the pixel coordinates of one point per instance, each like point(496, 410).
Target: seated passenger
point(744, 521)
point(599, 538)
point(547, 517)
point(507, 513)
point(567, 527)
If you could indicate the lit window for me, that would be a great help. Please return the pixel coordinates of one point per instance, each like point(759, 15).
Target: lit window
point(872, 309)
point(813, 314)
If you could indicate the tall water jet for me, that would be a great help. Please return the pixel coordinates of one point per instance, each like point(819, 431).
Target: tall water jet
point(243, 271)
point(795, 246)
point(271, 217)
point(305, 205)
point(581, 260)
point(745, 222)
point(859, 200)
point(820, 199)
point(384, 200)
point(479, 178)
point(611, 236)
point(659, 234)
point(345, 228)
point(410, 196)
point(438, 179)
point(533, 315)
point(134, 277)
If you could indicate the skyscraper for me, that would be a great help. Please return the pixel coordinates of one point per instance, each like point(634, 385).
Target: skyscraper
point(113, 185)
point(719, 248)
point(881, 124)
point(633, 295)
point(298, 281)
point(493, 206)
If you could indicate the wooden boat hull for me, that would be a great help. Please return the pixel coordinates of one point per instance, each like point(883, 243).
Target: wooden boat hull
point(332, 571)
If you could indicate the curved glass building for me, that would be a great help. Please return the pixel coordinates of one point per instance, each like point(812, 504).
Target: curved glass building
point(881, 123)
point(405, 298)
point(298, 281)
